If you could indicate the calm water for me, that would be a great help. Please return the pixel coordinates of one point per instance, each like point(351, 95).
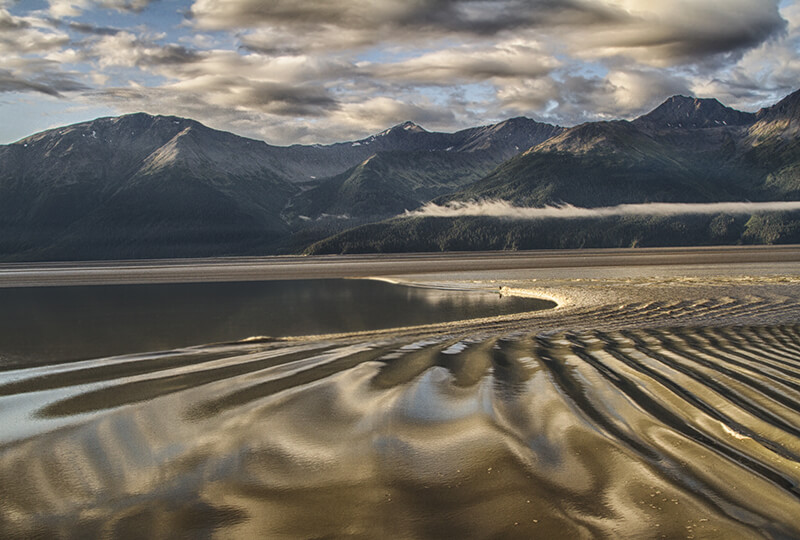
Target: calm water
point(46, 324)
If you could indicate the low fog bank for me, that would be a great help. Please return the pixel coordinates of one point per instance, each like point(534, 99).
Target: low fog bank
point(505, 209)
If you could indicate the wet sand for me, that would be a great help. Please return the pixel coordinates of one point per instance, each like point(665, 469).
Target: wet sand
point(656, 401)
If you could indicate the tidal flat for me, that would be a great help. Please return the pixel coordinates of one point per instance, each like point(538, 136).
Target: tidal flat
point(642, 394)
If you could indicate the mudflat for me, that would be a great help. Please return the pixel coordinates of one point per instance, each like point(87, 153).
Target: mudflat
point(371, 265)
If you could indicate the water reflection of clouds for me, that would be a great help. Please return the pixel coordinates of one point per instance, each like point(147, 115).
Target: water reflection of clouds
point(432, 398)
point(454, 298)
point(90, 322)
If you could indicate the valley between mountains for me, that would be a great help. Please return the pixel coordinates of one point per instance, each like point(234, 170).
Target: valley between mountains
point(142, 186)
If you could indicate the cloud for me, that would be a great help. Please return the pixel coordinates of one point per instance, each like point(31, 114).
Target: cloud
point(764, 74)
point(621, 93)
point(10, 23)
point(504, 209)
point(513, 59)
point(26, 35)
point(128, 50)
point(11, 83)
point(379, 112)
point(73, 8)
point(377, 17)
point(26, 44)
point(683, 31)
point(265, 96)
point(67, 8)
point(91, 29)
point(50, 83)
point(124, 5)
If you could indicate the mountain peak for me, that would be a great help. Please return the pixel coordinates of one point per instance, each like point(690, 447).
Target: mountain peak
point(408, 125)
point(681, 100)
point(592, 136)
point(787, 107)
point(782, 119)
point(694, 113)
point(112, 128)
point(405, 127)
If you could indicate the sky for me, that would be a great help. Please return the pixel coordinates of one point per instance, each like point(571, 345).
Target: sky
point(320, 71)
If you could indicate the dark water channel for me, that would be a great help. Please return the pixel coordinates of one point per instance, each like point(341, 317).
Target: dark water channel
point(49, 324)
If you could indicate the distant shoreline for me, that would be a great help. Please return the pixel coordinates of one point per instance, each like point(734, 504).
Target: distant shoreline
point(374, 265)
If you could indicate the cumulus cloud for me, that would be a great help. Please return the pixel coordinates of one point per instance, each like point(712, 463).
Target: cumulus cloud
point(67, 8)
point(504, 209)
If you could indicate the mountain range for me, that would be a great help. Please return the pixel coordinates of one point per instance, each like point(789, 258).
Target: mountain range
point(142, 186)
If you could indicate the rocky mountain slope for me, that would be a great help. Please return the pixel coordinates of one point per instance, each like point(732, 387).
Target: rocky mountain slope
point(692, 113)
